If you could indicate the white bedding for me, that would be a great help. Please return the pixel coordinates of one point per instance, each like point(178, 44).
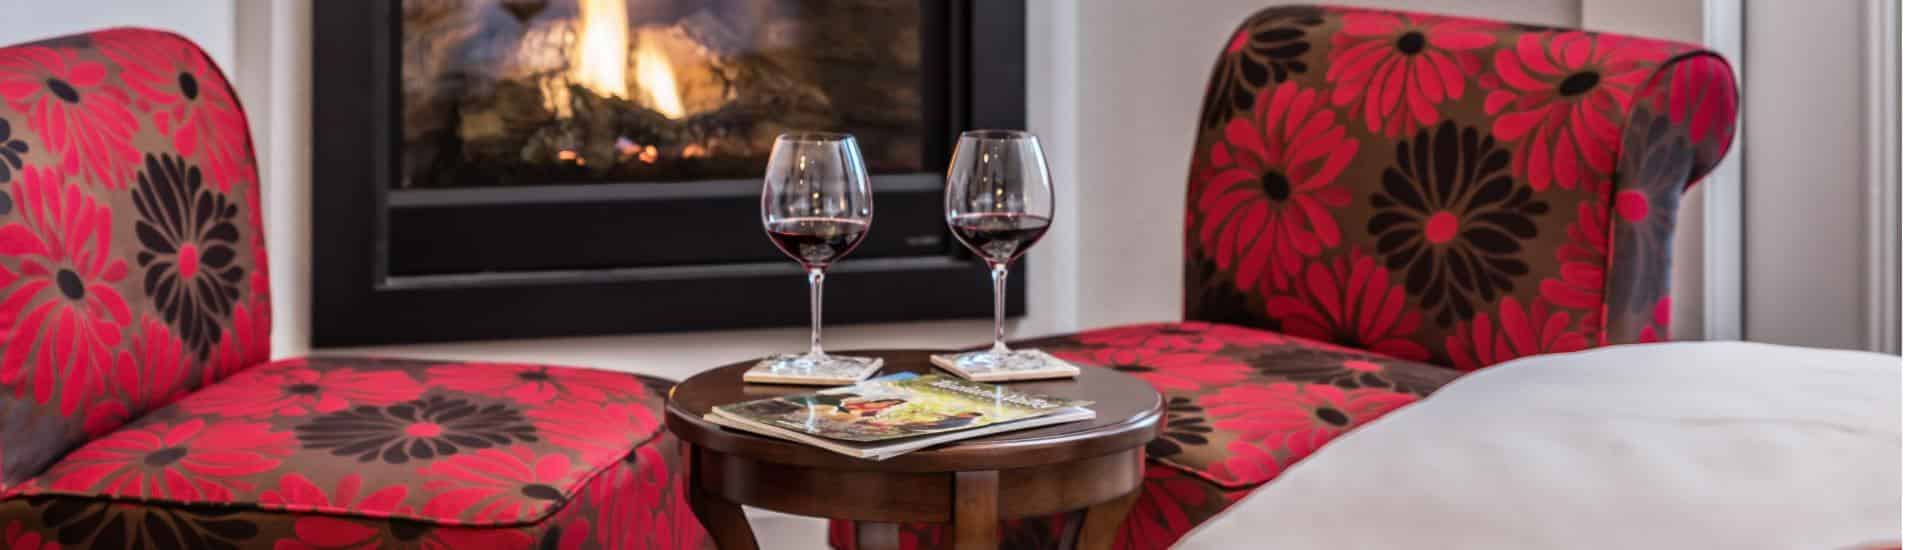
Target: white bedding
point(1682, 445)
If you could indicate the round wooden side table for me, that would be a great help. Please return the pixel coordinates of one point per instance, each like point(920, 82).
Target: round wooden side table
point(1093, 465)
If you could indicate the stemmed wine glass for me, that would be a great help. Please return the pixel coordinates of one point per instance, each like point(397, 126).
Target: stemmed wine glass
point(816, 206)
point(999, 203)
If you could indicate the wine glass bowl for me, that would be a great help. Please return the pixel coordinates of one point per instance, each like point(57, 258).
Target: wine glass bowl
point(999, 202)
point(816, 205)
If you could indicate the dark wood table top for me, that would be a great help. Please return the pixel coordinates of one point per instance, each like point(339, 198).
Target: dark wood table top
point(1126, 416)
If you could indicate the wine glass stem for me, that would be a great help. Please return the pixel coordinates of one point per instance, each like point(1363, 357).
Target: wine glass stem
point(816, 283)
point(999, 307)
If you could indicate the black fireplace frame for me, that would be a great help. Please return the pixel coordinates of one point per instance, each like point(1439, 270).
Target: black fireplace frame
point(359, 300)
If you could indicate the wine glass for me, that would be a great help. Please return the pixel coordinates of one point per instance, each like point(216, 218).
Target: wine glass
point(999, 203)
point(816, 206)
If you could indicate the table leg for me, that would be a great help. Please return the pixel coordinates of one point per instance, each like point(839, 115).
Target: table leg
point(724, 521)
point(874, 535)
point(976, 510)
point(1101, 524)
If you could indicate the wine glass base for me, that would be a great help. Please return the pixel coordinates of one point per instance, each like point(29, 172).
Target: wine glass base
point(802, 369)
point(990, 366)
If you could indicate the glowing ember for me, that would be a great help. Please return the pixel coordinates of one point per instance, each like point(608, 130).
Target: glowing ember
point(693, 150)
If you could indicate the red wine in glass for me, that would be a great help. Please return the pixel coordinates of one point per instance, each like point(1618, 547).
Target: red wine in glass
point(815, 205)
point(999, 203)
point(999, 237)
point(817, 242)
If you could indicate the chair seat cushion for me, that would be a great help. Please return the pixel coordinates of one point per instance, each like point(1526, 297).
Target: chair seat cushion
point(451, 444)
point(1242, 403)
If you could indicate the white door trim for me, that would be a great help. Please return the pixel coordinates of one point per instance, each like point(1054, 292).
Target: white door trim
point(1883, 175)
point(1723, 227)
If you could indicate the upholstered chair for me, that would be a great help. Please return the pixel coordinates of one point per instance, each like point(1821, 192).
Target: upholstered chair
point(138, 407)
point(1379, 201)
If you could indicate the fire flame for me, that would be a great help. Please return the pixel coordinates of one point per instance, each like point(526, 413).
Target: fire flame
point(655, 75)
point(600, 59)
point(600, 62)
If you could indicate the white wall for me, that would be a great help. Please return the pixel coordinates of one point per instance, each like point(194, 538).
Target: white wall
point(1806, 173)
point(208, 22)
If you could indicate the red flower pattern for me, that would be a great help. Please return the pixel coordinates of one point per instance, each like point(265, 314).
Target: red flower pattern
point(1165, 370)
point(297, 493)
point(291, 389)
point(1394, 68)
point(1263, 207)
point(1559, 97)
point(188, 99)
point(1281, 423)
point(246, 343)
point(1701, 92)
point(532, 384)
point(638, 505)
point(1353, 304)
point(154, 374)
point(188, 461)
point(1159, 517)
point(1185, 336)
point(62, 317)
point(82, 121)
point(341, 533)
point(1581, 285)
point(18, 537)
point(1517, 332)
point(494, 485)
point(595, 429)
point(1656, 329)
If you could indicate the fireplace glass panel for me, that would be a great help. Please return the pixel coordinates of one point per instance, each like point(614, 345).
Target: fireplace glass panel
point(533, 92)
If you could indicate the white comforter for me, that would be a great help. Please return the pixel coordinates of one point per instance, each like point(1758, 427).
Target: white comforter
point(1683, 445)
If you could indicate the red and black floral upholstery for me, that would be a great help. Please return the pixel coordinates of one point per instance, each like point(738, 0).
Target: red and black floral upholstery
point(1379, 200)
point(137, 406)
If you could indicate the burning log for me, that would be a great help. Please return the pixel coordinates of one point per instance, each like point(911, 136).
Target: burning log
point(532, 91)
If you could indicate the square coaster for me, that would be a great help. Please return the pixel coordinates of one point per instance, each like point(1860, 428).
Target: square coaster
point(839, 371)
point(1025, 364)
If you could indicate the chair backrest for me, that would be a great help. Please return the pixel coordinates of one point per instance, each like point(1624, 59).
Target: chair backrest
point(131, 263)
point(1453, 190)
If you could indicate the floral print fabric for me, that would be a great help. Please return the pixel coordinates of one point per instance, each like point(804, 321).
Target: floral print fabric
point(1414, 173)
point(137, 409)
point(448, 455)
point(1379, 200)
point(132, 269)
point(634, 503)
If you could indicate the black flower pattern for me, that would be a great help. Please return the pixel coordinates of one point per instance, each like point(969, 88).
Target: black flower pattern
point(1451, 219)
point(106, 525)
point(1655, 161)
point(1264, 51)
point(1319, 365)
point(421, 429)
point(1186, 425)
point(188, 249)
point(10, 150)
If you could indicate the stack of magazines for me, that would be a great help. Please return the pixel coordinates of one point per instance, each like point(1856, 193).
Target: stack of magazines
point(897, 414)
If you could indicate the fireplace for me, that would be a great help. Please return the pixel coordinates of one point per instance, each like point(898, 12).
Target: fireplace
point(515, 168)
point(537, 92)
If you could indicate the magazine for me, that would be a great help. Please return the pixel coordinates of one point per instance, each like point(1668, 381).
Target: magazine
point(896, 414)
